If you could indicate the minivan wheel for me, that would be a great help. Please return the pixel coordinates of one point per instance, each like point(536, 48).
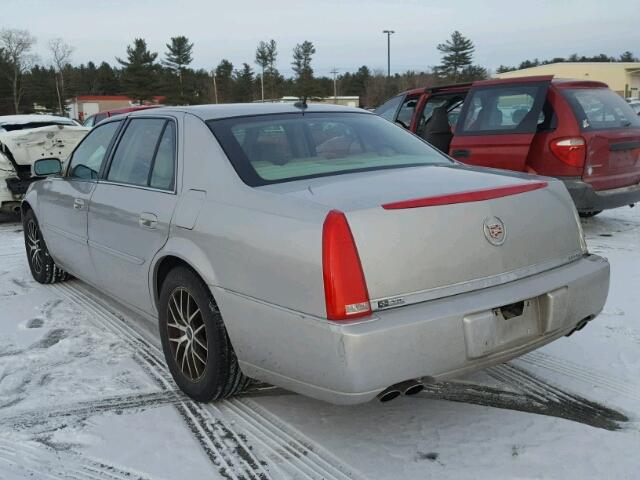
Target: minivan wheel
point(43, 268)
point(590, 213)
point(196, 346)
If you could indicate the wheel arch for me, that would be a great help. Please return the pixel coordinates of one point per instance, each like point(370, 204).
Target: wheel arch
point(179, 252)
point(25, 206)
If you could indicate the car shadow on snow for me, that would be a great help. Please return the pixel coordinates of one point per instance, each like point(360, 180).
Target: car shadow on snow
point(518, 390)
point(525, 392)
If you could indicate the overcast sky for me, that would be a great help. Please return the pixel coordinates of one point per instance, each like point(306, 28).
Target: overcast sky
point(346, 34)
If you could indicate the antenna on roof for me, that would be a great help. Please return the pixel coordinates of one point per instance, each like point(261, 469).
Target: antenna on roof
point(301, 104)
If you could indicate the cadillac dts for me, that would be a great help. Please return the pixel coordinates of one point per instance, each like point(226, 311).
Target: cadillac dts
point(318, 248)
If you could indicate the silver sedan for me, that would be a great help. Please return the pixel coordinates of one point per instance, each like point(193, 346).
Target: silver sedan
point(318, 248)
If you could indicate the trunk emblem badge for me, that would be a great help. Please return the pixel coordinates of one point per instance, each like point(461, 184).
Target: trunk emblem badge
point(494, 230)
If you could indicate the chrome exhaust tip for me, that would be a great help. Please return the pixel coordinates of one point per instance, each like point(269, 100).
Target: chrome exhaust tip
point(580, 325)
point(410, 387)
point(389, 394)
point(413, 389)
point(407, 388)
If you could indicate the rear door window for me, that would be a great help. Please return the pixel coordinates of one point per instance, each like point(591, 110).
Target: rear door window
point(406, 111)
point(600, 109)
point(145, 141)
point(503, 109)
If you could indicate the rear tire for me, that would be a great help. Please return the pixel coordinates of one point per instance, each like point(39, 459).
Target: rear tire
point(196, 346)
point(590, 213)
point(43, 268)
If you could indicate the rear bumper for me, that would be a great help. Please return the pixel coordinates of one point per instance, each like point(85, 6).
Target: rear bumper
point(587, 199)
point(439, 339)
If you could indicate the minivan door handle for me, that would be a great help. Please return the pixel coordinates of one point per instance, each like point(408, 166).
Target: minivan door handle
point(461, 153)
point(148, 220)
point(78, 203)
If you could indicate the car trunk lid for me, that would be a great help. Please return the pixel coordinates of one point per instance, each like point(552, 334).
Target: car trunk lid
point(434, 235)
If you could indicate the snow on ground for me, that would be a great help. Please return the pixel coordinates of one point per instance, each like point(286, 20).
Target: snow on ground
point(84, 393)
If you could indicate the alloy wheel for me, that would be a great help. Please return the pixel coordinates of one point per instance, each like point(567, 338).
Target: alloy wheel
point(187, 334)
point(34, 244)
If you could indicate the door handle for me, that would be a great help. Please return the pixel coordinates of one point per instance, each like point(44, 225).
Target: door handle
point(148, 220)
point(78, 203)
point(461, 153)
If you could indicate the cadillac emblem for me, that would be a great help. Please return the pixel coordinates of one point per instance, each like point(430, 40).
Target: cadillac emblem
point(494, 230)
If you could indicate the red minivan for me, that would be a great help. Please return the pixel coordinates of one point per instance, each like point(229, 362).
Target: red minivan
point(578, 131)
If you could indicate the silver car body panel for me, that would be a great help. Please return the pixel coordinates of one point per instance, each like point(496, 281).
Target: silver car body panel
point(260, 251)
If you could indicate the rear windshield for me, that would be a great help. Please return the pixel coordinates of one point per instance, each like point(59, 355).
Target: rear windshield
point(8, 127)
point(600, 109)
point(278, 148)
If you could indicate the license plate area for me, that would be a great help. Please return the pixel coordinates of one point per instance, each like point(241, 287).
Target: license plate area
point(500, 328)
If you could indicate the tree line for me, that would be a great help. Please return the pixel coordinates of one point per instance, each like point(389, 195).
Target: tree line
point(26, 80)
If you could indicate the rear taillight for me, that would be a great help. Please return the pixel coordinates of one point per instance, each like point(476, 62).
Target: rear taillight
point(345, 290)
point(571, 151)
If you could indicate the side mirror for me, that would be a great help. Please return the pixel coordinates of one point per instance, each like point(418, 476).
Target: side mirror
point(47, 166)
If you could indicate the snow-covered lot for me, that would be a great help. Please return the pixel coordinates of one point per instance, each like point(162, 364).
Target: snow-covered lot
point(84, 394)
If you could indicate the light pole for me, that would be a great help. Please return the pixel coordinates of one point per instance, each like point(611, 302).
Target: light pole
point(389, 33)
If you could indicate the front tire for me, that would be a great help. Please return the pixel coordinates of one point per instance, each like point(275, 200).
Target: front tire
point(196, 346)
point(43, 268)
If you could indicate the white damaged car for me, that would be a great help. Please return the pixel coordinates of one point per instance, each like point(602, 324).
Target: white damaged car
point(23, 140)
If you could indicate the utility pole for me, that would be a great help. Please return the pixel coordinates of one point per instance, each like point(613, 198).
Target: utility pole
point(215, 87)
point(335, 85)
point(389, 33)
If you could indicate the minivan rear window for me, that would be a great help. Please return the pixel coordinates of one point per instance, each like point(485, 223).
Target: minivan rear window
point(600, 109)
point(278, 148)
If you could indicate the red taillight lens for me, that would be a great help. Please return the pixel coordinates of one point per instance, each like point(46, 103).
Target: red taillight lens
point(571, 151)
point(345, 290)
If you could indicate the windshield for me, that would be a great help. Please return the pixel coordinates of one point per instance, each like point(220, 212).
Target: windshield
point(278, 148)
point(600, 109)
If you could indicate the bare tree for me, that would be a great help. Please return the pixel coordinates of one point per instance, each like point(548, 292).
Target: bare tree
point(60, 57)
point(16, 45)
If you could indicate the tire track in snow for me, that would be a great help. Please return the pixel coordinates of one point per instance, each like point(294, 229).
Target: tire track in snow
point(45, 463)
point(579, 372)
point(290, 454)
point(540, 397)
point(226, 450)
point(87, 408)
point(299, 456)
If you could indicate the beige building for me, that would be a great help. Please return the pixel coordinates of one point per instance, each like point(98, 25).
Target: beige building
point(622, 77)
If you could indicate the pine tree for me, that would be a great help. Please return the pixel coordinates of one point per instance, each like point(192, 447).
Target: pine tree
point(107, 82)
point(177, 59)
point(224, 81)
point(139, 71)
point(243, 84)
point(302, 54)
point(457, 54)
point(628, 57)
point(266, 55)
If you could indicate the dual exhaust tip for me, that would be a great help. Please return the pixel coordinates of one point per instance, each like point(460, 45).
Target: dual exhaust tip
point(407, 388)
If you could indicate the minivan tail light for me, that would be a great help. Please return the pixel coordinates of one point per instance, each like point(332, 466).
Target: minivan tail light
point(345, 289)
point(571, 151)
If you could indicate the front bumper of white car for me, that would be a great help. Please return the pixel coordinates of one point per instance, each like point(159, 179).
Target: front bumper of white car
point(348, 363)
